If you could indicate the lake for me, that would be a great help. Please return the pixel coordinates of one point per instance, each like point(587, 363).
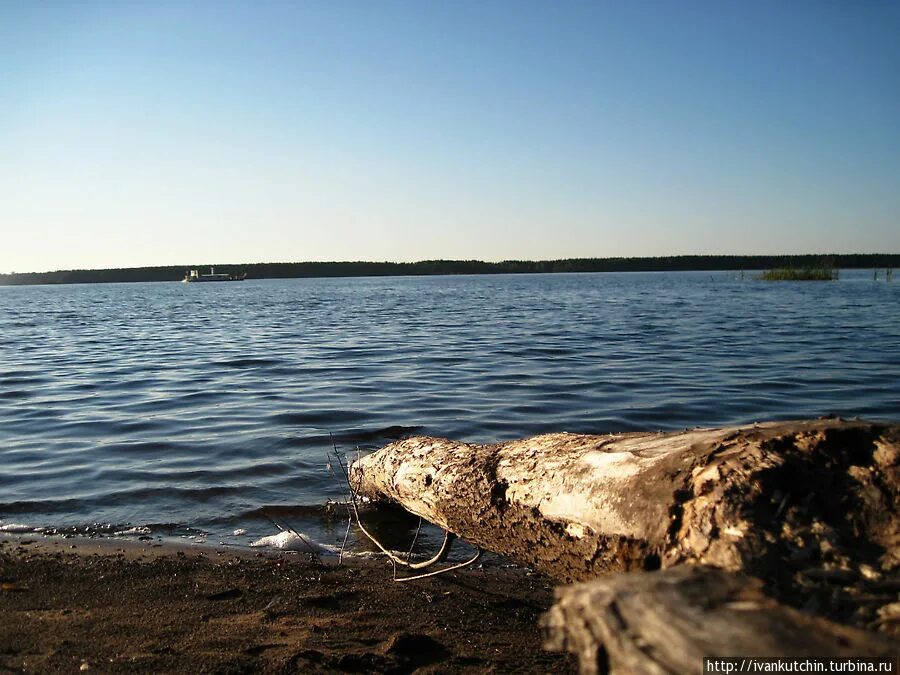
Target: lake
point(197, 410)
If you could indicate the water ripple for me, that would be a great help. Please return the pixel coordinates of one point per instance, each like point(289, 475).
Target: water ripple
point(215, 407)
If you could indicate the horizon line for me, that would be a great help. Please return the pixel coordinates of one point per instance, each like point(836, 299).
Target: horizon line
point(452, 260)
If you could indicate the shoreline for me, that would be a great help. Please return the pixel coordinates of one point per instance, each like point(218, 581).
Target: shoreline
point(127, 547)
point(441, 267)
point(117, 606)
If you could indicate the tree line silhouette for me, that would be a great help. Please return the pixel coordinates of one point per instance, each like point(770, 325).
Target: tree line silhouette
point(438, 267)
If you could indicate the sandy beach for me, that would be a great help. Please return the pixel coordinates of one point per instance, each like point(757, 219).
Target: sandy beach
point(114, 606)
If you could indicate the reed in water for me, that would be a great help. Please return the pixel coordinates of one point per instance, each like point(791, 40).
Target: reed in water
point(800, 274)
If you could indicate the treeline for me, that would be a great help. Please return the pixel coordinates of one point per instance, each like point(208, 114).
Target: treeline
point(434, 267)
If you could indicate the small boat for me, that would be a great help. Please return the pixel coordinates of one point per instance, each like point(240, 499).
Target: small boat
point(194, 275)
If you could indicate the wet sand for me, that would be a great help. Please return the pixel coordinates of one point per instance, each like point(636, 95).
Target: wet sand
point(113, 606)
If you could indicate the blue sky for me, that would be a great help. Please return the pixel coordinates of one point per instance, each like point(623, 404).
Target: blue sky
point(154, 133)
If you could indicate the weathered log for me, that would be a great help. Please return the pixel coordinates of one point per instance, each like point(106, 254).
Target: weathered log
point(668, 621)
point(810, 507)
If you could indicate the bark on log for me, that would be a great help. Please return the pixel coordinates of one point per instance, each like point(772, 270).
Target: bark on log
point(810, 507)
point(668, 621)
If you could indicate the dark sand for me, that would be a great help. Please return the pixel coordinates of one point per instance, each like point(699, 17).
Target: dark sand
point(107, 606)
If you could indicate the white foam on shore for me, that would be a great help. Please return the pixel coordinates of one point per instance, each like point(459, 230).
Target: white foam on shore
point(290, 541)
point(19, 528)
point(133, 530)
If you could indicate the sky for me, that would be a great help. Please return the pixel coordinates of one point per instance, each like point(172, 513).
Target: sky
point(163, 133)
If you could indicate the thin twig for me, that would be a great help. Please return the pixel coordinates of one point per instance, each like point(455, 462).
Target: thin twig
point(441, 555)
point(349, 516)
point(415, 539)
point(312, 549)
point(346, 478)
point(346, 534)
point(435, 573)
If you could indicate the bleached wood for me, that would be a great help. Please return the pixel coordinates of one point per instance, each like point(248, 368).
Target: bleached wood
point(806, 510)
point(668, 621)
point(783, 498)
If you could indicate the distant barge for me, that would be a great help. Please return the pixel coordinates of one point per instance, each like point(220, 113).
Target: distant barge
point(194, 275)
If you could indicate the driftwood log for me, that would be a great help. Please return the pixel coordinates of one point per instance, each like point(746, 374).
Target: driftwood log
point(668, 621)
point(808, 507)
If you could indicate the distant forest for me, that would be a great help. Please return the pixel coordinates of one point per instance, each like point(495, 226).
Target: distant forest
point(435, 267)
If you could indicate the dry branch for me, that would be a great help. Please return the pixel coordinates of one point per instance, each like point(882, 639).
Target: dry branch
point(810, 507)
point(668, 621)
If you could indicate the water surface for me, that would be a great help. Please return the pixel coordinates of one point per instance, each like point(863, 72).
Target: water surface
point(197, 408)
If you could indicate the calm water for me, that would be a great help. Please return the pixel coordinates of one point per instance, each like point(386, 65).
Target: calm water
point(198, 409)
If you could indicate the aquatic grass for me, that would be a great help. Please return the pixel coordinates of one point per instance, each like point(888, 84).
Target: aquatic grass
point(800, 274)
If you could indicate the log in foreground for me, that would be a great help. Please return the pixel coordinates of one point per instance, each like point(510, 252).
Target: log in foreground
point(809, 507)
point(668, 621)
